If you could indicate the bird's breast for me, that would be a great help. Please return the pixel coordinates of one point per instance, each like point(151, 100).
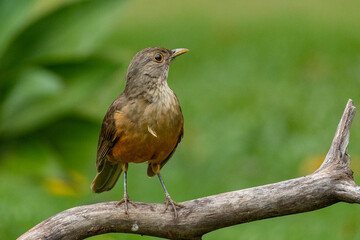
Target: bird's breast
point(163, 110)
point(149, 130)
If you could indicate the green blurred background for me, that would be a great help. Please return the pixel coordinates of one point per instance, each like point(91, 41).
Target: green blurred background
point(262, 90)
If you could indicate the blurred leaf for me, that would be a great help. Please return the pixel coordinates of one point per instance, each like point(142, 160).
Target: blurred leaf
point(13, 16)
point(33, 95)
point(71, 32)
point(43, 7)
point(33, 85)
point(44, 103)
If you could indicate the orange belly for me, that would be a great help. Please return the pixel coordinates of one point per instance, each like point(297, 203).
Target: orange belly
point(151, 138)
point(144, 147)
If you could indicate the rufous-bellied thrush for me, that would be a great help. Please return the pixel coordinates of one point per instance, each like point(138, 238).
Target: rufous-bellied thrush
point(143, 124)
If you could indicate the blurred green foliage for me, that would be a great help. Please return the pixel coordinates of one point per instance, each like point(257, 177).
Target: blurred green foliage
point(262, 90)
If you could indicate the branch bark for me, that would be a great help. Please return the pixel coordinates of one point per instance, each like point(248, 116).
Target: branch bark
point(331, 183)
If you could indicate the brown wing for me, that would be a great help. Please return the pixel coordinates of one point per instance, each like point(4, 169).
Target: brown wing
point(107, 173)
point(108, 136)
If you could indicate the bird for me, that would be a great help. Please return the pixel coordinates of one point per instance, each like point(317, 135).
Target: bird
point(143, 124)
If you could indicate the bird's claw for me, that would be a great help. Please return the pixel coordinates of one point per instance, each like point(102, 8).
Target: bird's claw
point(126, 200)
point(173, 204)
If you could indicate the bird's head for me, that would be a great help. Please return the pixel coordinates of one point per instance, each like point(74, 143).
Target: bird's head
point(151, 65)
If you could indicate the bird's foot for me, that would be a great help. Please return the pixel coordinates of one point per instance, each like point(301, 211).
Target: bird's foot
point(126, 200)
point(168, 201)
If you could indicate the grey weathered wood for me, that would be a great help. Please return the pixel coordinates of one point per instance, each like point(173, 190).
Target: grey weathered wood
point(331, 183)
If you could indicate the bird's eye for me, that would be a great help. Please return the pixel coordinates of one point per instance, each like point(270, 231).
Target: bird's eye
point(158, 57)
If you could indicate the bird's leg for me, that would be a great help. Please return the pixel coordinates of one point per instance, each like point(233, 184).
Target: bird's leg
point(126, 198)
point(168, 198)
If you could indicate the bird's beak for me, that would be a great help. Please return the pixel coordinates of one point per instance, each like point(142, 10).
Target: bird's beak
point(178, 51)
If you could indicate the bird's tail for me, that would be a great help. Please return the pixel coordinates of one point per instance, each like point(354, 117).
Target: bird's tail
point(106, 177)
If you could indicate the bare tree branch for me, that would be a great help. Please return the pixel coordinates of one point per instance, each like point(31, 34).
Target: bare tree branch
point(331, 183)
